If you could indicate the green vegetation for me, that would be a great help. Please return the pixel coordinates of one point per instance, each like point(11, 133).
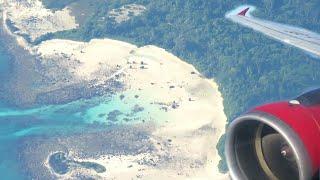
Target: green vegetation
point(250, 68)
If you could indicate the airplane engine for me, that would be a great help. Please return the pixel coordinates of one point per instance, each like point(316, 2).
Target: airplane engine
point(276, 141)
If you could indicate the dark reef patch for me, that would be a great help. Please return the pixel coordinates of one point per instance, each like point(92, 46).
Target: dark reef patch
point(61, 164)
point(91, 165)
point(113, 115)
point(137, 109)
point(87, 144)
point(101, 115)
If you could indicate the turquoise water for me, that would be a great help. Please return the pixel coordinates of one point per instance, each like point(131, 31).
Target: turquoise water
point(95, 110)
point(67, 119)
point(74, 117)
point(5, 63)
point(54, 119)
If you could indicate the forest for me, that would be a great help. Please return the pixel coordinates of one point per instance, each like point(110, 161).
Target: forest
point(250, 68)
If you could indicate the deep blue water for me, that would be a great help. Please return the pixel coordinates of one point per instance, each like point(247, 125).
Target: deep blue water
point(8, 160)
point(5, 63)
point(60, 120)
point(19, 123)
point(55, 120)
point(44, 121)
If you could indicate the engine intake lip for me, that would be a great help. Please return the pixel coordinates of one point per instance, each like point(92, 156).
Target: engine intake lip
point(302, 157)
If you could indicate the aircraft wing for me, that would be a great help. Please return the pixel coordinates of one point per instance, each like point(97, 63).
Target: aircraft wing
point(295, 36)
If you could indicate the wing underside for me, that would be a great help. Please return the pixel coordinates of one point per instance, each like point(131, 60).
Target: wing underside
point(298, 37)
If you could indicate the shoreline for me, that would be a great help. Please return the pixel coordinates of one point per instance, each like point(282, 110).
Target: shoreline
point(195, 118)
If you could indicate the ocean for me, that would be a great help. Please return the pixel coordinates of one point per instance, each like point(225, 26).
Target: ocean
point(59, 120)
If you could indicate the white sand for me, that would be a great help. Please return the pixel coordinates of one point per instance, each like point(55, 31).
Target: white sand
point(193, 105)
point(126, 12)
point(91, 55)
point(164, 79)
point(20, 40)
point(31, 18)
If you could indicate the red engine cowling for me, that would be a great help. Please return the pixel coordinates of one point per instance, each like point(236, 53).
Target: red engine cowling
point(276, 141)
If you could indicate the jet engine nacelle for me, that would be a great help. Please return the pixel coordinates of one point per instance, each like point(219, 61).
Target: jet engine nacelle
point(276, 141)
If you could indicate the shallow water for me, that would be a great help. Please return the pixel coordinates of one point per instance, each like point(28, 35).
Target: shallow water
point(9, 167)
point(16, 124)
point(4, 64)
point(73, 117)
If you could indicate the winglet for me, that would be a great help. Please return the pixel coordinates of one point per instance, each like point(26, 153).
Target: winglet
point(244, 12)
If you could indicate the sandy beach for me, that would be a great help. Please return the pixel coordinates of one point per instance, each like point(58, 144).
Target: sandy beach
point(192, 117)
